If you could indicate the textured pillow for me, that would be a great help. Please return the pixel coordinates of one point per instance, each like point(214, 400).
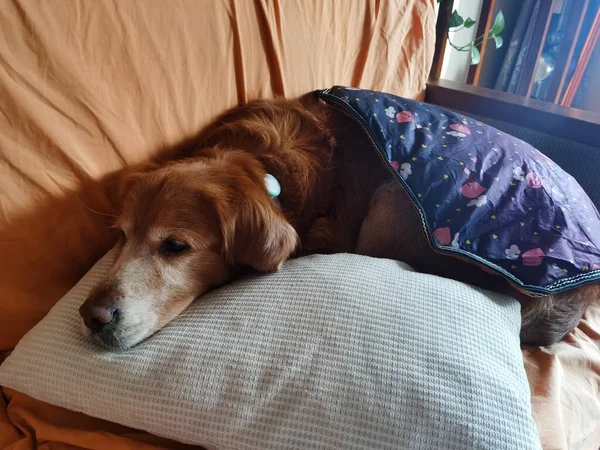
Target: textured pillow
point(339, 351)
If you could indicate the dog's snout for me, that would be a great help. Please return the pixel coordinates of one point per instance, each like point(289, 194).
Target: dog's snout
point(96, 317)
point(98, 311)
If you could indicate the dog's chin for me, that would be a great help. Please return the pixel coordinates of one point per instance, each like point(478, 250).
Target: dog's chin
point(114, 339)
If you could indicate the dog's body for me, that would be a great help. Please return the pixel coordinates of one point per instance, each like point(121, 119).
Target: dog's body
point(196, 223)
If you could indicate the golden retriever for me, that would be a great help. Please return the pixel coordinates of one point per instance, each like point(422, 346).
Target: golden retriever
point(193, 224)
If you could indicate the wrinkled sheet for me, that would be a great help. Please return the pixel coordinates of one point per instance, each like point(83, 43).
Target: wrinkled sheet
point(90, 87)
point(564, 379)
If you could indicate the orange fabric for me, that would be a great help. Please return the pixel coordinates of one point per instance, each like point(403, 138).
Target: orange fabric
point(564, 379)
point(88, 88)
point(39, 425)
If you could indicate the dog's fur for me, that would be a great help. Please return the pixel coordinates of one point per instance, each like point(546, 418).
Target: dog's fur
point(336, 196)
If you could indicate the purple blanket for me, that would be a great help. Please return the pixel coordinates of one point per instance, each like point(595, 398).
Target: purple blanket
point(485, 195)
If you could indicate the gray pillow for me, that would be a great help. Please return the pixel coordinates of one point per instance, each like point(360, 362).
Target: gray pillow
point(334, 352)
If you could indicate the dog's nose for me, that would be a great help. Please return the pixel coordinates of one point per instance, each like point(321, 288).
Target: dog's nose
point(97, 317)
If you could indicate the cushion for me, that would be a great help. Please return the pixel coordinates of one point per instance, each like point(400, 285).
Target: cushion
point(333, 351)
point(339, 351)
point(484, 195)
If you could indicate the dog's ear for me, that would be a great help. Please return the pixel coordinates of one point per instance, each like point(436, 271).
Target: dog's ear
point(120, 183)
point(256, 234)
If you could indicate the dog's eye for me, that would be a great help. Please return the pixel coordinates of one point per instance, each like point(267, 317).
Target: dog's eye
point(173, 247)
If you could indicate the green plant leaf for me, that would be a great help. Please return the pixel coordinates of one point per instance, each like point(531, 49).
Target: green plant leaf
point(499, 41)
point(475, 55)
point(455, 20)
point(498, 24)
point(469, 22)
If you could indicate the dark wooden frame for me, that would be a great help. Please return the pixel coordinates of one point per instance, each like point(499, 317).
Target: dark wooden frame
point(586, 53)
point(565, 54)
point(441, 36)
point(483, 27)
point(569, 123)
point(540, 31)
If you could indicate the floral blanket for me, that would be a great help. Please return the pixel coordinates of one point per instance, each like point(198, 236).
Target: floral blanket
point(483, 195)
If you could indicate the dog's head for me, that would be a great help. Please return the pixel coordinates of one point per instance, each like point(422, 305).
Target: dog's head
point(186, 228)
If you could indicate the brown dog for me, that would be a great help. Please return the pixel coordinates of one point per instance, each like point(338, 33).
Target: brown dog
point(191, 225)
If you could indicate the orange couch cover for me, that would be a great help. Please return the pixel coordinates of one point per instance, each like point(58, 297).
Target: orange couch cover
point(90, 87)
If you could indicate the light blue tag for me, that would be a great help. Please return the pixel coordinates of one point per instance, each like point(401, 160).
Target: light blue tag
point(272, 185)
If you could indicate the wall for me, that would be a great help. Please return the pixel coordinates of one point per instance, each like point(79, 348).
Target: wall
point(456, 64)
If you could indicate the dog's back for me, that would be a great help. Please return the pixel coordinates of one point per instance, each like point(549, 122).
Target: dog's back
point(322, 160)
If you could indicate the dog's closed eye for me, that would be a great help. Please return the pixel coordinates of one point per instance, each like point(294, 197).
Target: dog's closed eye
point(172, 247)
